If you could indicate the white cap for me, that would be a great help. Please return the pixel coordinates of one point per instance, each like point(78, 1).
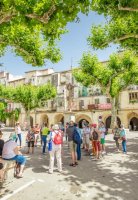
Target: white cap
point(56, 127)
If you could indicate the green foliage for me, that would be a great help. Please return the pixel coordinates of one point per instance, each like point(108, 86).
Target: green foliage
point(121, 26)
point(33, 27)
point(114, 76)
point(15, 114)
point(29, 96)
point(3, 114)
point(7, 114)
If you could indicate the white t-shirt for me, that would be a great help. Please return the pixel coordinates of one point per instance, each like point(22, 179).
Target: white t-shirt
point(18, 130)
point(8, 148)
point(103, 130)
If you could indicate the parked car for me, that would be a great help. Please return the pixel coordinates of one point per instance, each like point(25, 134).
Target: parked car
point(2, 125)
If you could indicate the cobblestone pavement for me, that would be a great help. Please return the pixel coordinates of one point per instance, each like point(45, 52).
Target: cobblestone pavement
point(114, 177)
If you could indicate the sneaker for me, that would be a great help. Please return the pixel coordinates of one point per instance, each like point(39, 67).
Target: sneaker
point(72, 165)
point(50, 172)
point(61, 172)
point(19, 176)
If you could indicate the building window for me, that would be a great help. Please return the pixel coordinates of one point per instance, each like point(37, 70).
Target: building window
point(81, 104)
point(108, 100)
point(133, 97)
point(97, 101)
point(55, 80)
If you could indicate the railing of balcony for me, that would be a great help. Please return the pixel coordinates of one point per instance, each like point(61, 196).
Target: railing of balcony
point(106, 106)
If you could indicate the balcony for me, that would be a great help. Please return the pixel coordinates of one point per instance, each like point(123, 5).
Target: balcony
point(91, 94)
point(104, 106)
point(133, 101)
point(93, 107)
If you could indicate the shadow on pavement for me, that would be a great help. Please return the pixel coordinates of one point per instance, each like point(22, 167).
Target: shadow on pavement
point(114, 177)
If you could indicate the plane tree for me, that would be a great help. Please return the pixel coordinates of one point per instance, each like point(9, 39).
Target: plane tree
point(29, 96)
point(113, 76)
point(32, 28)
point(121, 25)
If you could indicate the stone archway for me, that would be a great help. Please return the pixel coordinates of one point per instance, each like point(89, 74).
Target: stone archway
point(59, 118)
point(108, 122)
point(44, 119)
point(133, 121)
point(80, 118)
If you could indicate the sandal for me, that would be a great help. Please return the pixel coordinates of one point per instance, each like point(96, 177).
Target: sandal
point(72, 165)
point(19, 176)
point(76, 163)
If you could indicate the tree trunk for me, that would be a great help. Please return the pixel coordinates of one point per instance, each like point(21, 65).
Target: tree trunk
point(28, 118)
point(113, 112)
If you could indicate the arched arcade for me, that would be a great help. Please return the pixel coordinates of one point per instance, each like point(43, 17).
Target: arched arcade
point(59, 118)
point(133, 121)
point(44, 119)
point(108, 122)
point(81, 117)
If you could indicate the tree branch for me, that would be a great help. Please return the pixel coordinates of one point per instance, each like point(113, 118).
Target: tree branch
point(121, 38)
point(46, 16)
point(6, 18)
point(44, 19)
point(26, 53)
point(128, 9)
point(127, 37)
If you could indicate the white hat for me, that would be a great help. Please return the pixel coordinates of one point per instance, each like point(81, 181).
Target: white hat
point(56, 127)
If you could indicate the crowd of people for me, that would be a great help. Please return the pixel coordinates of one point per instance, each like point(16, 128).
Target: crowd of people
point(90, 139)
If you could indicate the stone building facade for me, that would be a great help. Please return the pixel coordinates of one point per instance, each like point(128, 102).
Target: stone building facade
point(74, 101)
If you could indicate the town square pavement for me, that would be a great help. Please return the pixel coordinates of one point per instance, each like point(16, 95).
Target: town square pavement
point(114, 177)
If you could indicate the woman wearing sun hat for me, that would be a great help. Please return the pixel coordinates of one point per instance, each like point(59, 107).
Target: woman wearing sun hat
point(56, 137)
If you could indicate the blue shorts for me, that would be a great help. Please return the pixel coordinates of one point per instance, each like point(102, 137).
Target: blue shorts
point(19, 159)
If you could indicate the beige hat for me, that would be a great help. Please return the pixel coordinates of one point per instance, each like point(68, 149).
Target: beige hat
point(56, 127)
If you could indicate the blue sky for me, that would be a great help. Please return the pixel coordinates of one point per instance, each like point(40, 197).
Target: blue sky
point(72, 46)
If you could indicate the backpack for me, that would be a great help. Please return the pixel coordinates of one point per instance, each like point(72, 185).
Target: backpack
point(95, 135)
point(58, 138)
point(76, 137)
